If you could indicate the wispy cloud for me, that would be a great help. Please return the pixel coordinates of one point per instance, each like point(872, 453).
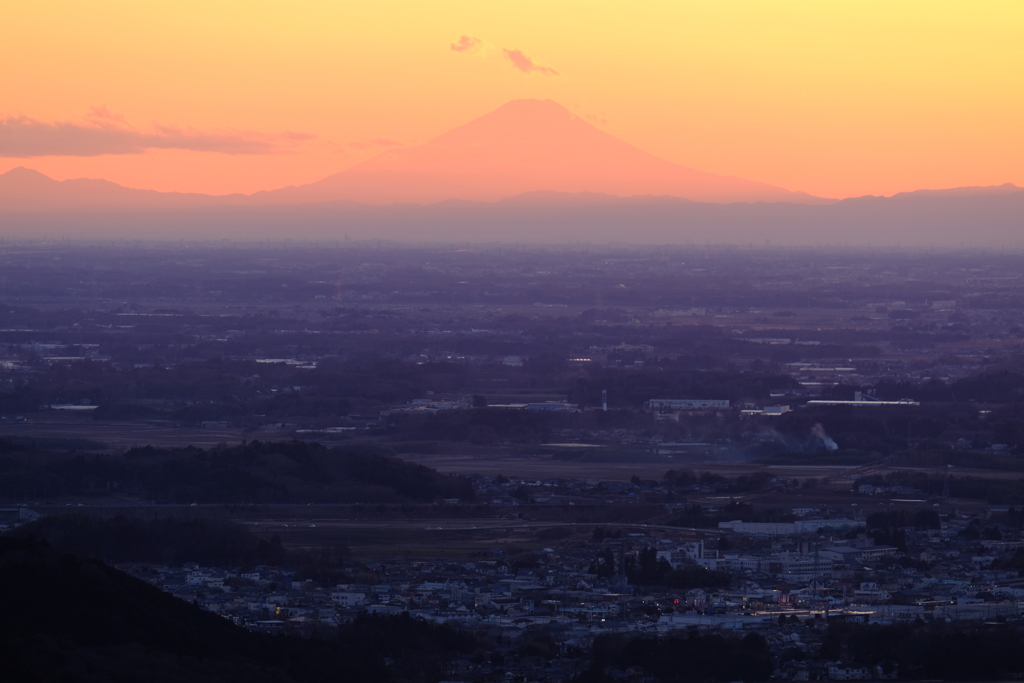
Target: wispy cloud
point(467, 44)
point(101, 115)
point(107, 132)
point(522, 62)
point(517, 58)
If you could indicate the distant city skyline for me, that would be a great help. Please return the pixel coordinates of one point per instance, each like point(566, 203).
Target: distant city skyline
point(833, 100)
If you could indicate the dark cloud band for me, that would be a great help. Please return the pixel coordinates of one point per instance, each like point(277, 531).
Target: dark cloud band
point(24, 137)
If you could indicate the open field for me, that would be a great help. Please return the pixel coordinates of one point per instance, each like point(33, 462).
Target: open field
point(538, 466)
point(433, 539)
point(122, 435)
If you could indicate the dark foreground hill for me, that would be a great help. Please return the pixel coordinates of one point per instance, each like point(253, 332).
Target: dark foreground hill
point(172, 540)
point(72, 619)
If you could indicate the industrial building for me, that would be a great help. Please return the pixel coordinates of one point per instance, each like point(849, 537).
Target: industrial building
point(862, 399)
point(687, 404)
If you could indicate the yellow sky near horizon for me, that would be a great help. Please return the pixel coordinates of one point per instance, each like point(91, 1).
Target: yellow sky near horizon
point(832, 98)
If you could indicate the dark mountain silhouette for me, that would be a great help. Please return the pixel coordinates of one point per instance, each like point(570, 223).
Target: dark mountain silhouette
point(525, 146)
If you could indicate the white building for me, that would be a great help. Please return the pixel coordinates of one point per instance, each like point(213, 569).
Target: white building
point(345, 599)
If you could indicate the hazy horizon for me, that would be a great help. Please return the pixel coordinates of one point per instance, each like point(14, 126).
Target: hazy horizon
point(870, 126)
point(834, 101)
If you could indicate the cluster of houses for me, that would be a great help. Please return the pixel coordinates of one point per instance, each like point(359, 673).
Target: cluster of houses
point(784, 582)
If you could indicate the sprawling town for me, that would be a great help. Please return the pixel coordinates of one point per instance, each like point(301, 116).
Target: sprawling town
point(784, 580)
point(544, 465)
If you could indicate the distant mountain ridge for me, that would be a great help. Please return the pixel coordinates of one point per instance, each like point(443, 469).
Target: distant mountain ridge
point(1005, 188)
point(547, 198)
point(24, 190)
point(956, 220)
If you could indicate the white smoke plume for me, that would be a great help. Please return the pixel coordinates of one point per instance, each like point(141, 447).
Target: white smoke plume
point(818, 431)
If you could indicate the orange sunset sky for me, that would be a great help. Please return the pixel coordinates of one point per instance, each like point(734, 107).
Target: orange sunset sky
point(829, 97)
